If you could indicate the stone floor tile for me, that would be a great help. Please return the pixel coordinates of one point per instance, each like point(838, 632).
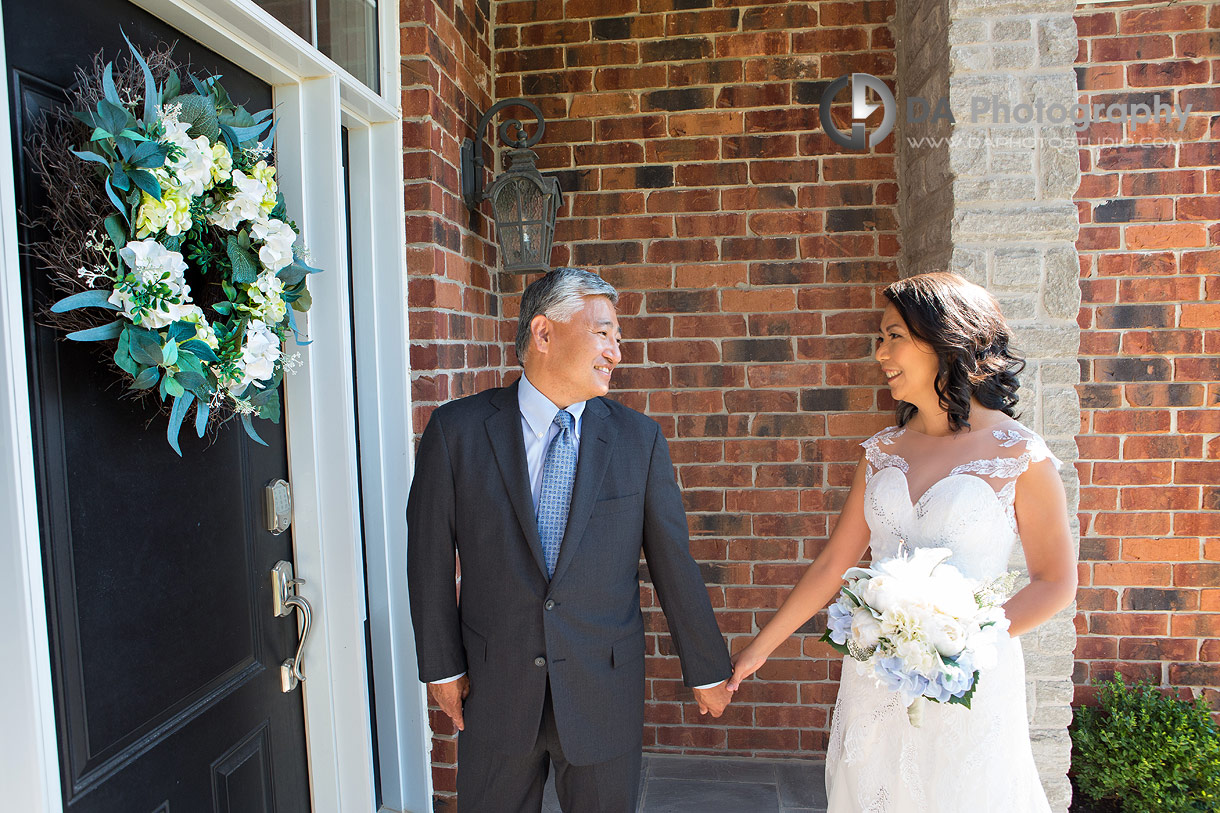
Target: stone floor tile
point(662, 795)
point(712, 769)
point(801, 783)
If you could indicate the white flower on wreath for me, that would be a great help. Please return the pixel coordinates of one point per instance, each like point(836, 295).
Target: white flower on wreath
point(267, 294)
point(203, 330)
point(246, 203)
point(277, 237)
point(153, 263)
point(171, 214)
point(260, 352)
point(194, 168)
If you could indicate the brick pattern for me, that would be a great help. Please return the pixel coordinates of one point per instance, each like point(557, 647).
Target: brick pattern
point(452, 302)
point(750, 249)
point(1149, 604)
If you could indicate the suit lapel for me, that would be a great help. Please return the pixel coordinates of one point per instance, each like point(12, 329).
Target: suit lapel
point(597, 434)
point(504, 433)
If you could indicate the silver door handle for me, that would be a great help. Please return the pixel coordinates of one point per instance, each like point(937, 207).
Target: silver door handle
point(285, 601)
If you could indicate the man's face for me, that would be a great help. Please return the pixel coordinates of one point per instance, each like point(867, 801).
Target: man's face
point(581, 353)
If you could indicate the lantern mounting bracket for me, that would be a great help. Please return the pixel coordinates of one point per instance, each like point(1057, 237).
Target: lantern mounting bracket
point(512, 132)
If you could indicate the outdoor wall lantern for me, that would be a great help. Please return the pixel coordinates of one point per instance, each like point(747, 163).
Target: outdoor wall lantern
point(524, 202)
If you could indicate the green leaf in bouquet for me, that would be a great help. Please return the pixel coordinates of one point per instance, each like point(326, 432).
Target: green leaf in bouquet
point(145, 348)
point(852, 596)
point(182, 402)
point(840, 648)
point(95, 298)
point(98, 334)
point(965, 699)
point(147, 378)
point(200, 350)
point(245, 269)
point(146, 181)
point(114, 228)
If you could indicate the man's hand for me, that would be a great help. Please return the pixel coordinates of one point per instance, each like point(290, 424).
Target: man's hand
point(449, 697)
point(713, 700)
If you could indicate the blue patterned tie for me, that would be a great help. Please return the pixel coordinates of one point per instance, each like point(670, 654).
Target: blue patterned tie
point(558, 473)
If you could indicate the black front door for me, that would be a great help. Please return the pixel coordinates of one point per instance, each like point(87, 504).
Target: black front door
point(165, 652)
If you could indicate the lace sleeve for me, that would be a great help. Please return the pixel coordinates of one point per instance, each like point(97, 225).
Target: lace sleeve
point(1035, 446)
point(878, 459)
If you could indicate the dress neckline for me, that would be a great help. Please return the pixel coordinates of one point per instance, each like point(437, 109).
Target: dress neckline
point(988, 429)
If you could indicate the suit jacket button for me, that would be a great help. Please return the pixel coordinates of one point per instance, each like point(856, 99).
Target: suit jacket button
point(550, 604)
point(540, 661)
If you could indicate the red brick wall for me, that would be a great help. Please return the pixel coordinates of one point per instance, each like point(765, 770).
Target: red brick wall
point(1149, 603)
point(749, 249)
point(452, 300)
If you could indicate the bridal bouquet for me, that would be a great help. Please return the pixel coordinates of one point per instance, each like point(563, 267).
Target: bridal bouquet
point(924, 629)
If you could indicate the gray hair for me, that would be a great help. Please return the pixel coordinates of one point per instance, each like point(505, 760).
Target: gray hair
point(558, 296)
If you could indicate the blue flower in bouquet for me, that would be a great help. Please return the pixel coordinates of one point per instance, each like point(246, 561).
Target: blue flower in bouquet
point(839, 622)
point(896, 677)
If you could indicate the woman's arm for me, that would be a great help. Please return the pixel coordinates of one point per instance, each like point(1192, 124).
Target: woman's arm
point(1042, 518)
point(820, 582)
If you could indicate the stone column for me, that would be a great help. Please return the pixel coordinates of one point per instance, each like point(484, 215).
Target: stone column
point(993, 202)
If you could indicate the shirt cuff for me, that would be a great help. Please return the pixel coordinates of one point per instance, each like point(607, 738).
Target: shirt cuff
point(449, 679)
point(710, 685)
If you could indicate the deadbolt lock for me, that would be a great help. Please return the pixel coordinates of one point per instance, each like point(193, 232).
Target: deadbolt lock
point(277, 506)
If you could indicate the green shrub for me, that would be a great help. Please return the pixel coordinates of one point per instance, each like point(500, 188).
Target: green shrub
point(1145, 752)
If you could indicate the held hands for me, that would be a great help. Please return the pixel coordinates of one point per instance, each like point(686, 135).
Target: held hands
point(449, 697)
point(745, 663)
point(714, 699)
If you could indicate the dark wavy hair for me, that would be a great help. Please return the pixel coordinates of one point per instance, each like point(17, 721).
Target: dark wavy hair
point(965, 328)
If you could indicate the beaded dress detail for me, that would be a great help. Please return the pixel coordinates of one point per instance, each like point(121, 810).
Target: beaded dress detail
point(954, 492)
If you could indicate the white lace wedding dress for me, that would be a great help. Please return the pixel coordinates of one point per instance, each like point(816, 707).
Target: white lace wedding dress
point(954, 492)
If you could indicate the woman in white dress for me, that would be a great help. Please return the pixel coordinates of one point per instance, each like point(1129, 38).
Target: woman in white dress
point(956, 471)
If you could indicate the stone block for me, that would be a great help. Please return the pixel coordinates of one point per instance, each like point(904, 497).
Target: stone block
point(1012, 30)
point(1059, 372)
point(1057, 41)
point(990, 224)
point(970, 58)
point(1016, 307)
point(1014, 57)
point(1061, 293)
point(962, 32)
point(1016, 269)
point(972, 190)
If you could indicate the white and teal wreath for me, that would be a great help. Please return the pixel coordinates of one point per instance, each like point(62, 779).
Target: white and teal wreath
point(199, 266)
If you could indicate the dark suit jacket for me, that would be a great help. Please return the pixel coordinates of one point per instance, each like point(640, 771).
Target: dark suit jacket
point(583, 628)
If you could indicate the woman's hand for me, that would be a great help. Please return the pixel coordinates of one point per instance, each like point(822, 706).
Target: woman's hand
point(745, 663)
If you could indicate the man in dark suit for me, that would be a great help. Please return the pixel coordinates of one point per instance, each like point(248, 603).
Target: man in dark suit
point(548, 491)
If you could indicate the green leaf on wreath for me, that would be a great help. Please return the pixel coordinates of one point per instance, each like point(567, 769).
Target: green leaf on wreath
point(98, 334)
point(249, 427)
point(150, 87)
point(223, 308)
point(86, 155)
point(147, 378)
point(193, 382)
point(169, 353)
point(145, 348)
point(200, 350)
point(119, 179)
point(122, 356)
point(173, 387)
point(303, 302)
point(245, 269)
point(181, 331)
point(148, 155)
point(108, 88)
point(118, 234)
point(95, 298)
point(146, 181)
point(202, 408)
point(182, 402)
point(173, 86)
point(111, 117)
point(268, 406)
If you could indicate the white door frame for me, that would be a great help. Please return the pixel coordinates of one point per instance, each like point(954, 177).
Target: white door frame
point(314, 98)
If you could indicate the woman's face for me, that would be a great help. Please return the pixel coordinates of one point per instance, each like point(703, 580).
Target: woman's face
point(909, 364)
